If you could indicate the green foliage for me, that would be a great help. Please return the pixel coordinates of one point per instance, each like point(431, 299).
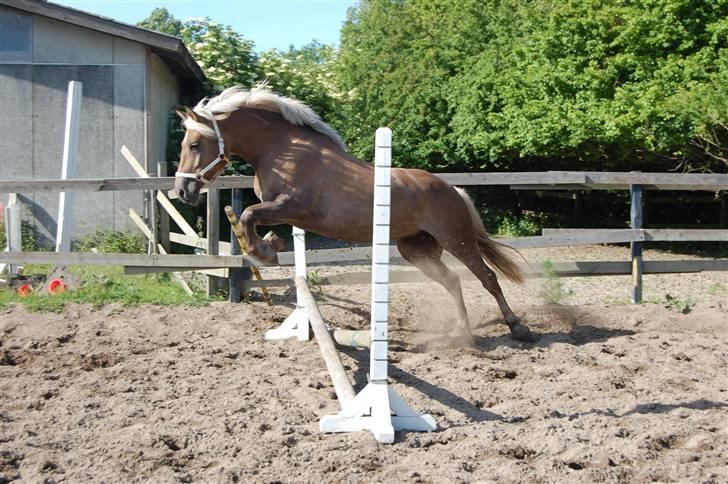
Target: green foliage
point(28, 237)
point(512, 226)
point(537, 85)
point(718, 289)
point(109, 240)
point(680, 305)
point(105, 285)
point(552, 289)
point(307, 74)
point(505, 84)
point(224, 55)
point(162, 21)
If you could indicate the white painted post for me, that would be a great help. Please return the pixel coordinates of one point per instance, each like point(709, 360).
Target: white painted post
point(297, 323)
point(68, 170)
point(13, 232)
point(373, 408)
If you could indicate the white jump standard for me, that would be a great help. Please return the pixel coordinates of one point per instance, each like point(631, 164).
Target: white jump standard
point(296, 324)
point(377, 408)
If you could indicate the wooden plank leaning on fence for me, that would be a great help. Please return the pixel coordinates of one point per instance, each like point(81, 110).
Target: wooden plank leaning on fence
point(161, 197)
point(137, 219)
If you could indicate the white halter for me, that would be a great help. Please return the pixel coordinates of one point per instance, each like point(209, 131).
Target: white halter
point(200, 175)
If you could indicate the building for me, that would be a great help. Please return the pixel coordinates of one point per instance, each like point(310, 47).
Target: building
point(132, 80)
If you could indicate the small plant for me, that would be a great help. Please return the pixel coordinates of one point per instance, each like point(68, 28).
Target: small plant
point(108, 240)
point(680, 305)
point(718, 289)
point(315, 280)
point(518, 226)
point(552, 289)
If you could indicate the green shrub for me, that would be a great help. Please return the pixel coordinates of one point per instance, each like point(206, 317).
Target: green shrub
point(109, 240)
point(513, 226)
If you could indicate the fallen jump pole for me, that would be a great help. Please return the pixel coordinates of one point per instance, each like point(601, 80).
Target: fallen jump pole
point(342, 385)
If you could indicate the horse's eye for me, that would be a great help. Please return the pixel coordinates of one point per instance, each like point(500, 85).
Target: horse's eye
point(195, 146)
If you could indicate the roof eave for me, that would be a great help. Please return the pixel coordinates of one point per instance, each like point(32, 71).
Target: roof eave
point(156, 40)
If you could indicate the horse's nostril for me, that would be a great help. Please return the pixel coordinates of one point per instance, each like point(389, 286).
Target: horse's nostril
point(181, 193)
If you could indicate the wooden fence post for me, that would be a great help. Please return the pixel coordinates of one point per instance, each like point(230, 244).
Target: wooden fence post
point(213, 234)
point(237, 277)
point(163, 231)
point(635, 218)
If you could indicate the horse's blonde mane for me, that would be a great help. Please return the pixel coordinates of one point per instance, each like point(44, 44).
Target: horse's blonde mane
point(234, 98)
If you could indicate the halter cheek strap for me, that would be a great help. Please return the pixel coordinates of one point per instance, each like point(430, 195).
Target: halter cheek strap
point(221, 158)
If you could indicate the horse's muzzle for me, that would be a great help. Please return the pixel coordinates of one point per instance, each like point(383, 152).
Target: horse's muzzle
point(188, 190)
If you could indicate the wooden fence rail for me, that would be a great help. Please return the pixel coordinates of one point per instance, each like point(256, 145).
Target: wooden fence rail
point(561, 180)
point(636, 182)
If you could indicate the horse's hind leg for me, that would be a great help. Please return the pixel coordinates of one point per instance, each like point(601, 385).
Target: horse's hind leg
point(423, 252)
point(469, 254)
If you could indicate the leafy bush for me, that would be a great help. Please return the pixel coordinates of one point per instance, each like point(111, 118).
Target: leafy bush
point(109, 240)
point(518, 226)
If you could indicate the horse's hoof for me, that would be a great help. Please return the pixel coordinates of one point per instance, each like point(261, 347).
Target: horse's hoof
point(278, 243)
point(521, 332)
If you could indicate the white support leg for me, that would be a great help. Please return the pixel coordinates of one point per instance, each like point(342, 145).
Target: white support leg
point(297, 323)
point(377, 407)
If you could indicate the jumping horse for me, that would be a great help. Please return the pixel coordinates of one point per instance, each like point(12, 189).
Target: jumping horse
point(304, 176)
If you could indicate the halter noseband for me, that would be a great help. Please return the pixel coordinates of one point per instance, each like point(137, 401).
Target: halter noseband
point(221, 158)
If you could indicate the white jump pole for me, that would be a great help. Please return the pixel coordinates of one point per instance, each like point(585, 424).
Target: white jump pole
point(297, 323)
point(378, 408)
point(68, 170)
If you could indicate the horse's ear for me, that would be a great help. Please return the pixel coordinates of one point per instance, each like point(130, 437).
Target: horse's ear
point(187, 113)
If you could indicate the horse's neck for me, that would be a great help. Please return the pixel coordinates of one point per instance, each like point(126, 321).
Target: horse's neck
point(253, 133)
point(265, 139)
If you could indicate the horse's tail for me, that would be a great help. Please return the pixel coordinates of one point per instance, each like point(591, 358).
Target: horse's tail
point(491, 250)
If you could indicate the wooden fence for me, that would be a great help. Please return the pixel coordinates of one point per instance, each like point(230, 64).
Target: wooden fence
point(216, 265)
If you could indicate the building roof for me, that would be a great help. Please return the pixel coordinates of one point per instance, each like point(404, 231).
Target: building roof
point(168, 47)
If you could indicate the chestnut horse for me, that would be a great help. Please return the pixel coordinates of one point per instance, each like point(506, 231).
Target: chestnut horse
point(305, 177)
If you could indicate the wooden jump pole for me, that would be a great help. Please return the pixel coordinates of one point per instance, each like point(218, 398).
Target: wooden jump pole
point(342, 385)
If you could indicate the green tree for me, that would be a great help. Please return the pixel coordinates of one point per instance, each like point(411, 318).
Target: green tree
point(305, 73)
point(226, 57)
point(544, 84)
point(162, 21)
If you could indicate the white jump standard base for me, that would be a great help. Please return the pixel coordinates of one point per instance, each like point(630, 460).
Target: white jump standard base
point(297, 323)
point(377, 407)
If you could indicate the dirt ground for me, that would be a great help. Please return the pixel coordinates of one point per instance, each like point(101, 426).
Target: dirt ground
point(610, 392)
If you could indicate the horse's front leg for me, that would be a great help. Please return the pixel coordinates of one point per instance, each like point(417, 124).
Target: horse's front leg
point(265, 213)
